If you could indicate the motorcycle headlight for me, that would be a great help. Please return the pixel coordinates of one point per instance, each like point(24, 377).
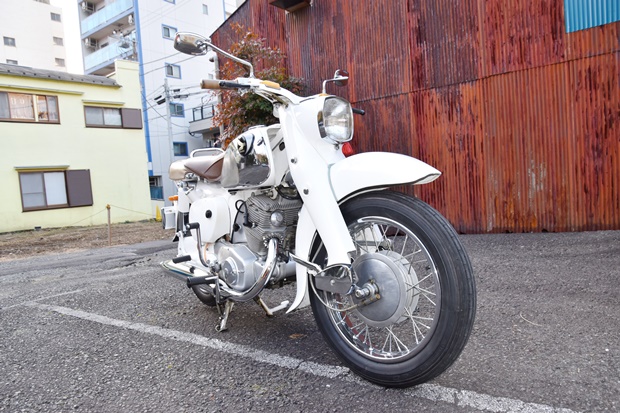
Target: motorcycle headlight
point(336, 120)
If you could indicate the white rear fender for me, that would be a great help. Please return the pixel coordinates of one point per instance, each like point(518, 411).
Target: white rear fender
point(352, 176)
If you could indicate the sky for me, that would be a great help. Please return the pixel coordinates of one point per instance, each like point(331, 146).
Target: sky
point(73, 41)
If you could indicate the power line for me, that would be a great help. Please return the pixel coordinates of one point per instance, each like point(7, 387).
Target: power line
point(157, 60)
point(160, 115)
point(163, 67)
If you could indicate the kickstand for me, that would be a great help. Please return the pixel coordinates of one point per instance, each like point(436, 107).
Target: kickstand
point(228, 305)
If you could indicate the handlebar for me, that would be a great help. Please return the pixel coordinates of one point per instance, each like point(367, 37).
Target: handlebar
point(215, 84)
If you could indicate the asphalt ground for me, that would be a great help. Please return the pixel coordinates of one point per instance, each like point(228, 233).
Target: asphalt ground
point(107, 330)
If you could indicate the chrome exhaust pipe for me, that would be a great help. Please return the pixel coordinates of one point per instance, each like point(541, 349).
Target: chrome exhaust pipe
point(184, 271)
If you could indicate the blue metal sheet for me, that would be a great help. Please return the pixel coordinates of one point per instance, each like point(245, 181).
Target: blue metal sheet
point(583, 14)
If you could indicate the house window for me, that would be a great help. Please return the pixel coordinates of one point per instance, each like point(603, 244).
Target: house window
point(100, 117)
point(96, 116)
point(58, 41)
point(205, 9)
point(203, 112)
point(173, 70)
point(180, 148)
point(11, 62)
point(177, 109)
point(168, 32)
point(55, 17)
point(60, 62)
point(55, 189)
point(23, 107)
point(9, 41)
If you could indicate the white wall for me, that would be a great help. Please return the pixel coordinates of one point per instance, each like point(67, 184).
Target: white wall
point(30, 24)
point(185, 15)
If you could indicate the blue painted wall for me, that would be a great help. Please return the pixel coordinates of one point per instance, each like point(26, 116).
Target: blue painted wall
point(583, 14)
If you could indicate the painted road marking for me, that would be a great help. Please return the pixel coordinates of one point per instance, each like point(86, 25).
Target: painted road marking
point(433, 392)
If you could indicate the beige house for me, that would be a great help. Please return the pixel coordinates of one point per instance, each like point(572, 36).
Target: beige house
point(69, 146)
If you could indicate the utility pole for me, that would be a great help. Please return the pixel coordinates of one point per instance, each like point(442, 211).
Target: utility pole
point(168, 119)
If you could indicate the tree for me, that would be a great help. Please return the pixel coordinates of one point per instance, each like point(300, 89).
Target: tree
point(239, 109)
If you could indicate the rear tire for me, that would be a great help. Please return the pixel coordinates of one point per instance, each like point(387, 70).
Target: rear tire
point(204, 295)
point(424, 316)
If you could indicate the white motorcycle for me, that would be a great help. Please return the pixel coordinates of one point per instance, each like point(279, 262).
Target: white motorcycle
point(391, 287)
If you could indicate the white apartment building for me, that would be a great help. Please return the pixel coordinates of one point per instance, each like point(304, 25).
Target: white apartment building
point(32, 34)
point(177, 113)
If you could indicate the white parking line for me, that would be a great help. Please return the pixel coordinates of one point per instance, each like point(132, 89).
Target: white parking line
point(461, 398)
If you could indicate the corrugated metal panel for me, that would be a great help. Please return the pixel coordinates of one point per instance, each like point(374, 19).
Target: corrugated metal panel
point(448, 135)
point(524, 137)
point(318, 44)
point(383, 128)
point(521, 34)
point(582, 14)
point(334, 34)
point(595, 100)
point(258, 16)
point(592, 42)
point(444, 42)
point(522, 118)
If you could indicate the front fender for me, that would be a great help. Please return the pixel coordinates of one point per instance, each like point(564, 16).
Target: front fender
point(375, 170)
point(352, 176)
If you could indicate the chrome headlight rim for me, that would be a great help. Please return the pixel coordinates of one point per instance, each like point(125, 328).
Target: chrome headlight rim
point(335, 120)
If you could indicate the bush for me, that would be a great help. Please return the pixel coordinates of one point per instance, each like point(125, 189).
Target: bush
point(239, 110)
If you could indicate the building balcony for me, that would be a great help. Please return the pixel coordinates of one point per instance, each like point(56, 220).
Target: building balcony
point(203, 120)
point(106, 56)
point(106, 16)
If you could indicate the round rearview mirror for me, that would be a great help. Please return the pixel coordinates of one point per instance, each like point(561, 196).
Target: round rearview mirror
point(191, 43)
point(341, 77)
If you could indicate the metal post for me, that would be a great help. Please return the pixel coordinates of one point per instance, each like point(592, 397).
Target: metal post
point(109, 226)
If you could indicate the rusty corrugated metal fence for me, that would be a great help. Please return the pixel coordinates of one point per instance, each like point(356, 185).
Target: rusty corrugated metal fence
point(522, 118)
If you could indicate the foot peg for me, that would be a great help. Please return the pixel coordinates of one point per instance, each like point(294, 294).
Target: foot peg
point(191, 281)
point(183, 258)
point(268, 310)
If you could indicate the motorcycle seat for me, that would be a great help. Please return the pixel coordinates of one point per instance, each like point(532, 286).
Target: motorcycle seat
point(207, 167)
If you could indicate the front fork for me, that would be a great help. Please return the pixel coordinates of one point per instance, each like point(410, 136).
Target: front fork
point(309, 159)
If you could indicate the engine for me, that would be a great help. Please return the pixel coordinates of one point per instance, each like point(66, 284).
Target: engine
point(270, 218)
point(266, 218)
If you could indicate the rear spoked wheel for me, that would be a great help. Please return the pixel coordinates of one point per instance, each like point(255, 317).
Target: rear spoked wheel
point(420, 309)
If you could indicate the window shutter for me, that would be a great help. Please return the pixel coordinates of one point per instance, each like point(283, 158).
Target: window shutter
point(132, 118)
point(79, 190)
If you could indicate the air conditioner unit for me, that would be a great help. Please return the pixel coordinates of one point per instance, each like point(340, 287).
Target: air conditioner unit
point(88, 7)
point(130, 19)
point(92, 43)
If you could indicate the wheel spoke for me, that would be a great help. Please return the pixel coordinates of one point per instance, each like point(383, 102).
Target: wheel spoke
point(392, 337)
point(416, 285)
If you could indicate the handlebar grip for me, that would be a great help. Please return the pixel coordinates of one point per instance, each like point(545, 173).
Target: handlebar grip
point(210, 84)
